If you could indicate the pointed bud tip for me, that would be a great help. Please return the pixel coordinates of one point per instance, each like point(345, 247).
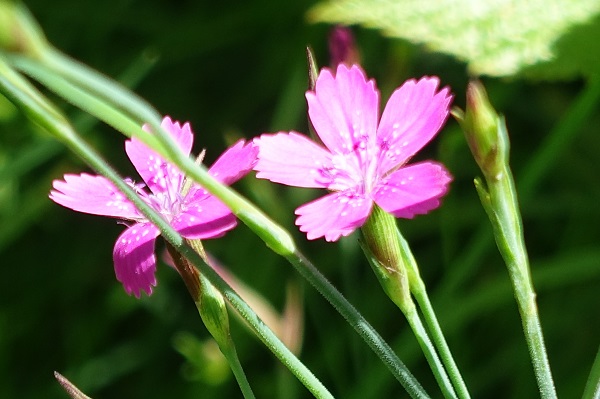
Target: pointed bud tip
point(480, 122)
point(479, 104)
point(68, 386)
point(313, 68)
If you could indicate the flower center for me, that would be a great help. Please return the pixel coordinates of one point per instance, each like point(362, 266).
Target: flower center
point(355, 169)
point(169, 202)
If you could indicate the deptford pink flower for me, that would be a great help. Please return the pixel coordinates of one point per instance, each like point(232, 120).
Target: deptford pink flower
point(195, 214)
point(364, 158)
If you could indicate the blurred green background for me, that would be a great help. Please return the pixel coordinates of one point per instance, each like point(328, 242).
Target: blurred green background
point(237, 69)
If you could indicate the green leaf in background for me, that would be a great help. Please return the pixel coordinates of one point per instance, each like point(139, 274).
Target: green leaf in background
point(494, 37)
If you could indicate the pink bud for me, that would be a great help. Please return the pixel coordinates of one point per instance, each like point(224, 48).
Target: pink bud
point(342, 48)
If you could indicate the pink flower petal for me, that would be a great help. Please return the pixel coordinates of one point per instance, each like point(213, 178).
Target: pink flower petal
point(134, 258)
point(235, 162)
point(412, 117)
point(158, 174)
point(333, 216)
point(413, 190)
point(343, 109)
point(207, 218)
point(292, 159)
point(92, 194)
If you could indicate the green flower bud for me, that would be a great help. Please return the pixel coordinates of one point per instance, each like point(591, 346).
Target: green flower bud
point(382, 248)
point(483, 130)
point(208, 300)
point(213, 311)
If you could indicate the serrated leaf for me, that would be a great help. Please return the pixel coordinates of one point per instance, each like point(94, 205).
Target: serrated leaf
point(494, 37)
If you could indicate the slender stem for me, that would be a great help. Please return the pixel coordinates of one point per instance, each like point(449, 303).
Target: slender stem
point(417, 287)
point(396, 269)
point(212, 309)
point(234, 362)
point(357, 321)
point(259, 327)
point(500, 202)
point(488, 140)
point(428, 349)
point(38, 109)
point(278, 239)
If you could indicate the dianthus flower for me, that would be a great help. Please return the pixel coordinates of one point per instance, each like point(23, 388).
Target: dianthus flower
point(363, 159)
point(195, 214)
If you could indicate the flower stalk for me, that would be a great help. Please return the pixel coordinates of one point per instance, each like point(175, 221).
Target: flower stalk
point(396, 270)
point(488, 139)
point(212, 309)
point(419, 291)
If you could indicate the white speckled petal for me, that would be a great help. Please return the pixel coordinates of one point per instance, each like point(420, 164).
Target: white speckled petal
point(159, 175)
point(133, 255)
point(292, 159)
point(413, 190)
point(344, 108)
point(207, 218)
point(334, 215)
point(92, 194)
point(412, 117)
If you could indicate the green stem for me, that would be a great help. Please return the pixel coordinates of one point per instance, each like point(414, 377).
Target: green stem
point(417, 287)
point(583, 266)
point(428, 349)
point(234, 362)
point(397, 272)
point(212, 309)
point(500, 202)
point(488, 140)
point(278, 239)
point(358, 322)
point(39, 110)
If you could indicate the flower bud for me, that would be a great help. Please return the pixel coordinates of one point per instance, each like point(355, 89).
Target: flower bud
point(382, 248)
point(213, 311)
point(342, 48)
point(483, 130)
point(208, 300)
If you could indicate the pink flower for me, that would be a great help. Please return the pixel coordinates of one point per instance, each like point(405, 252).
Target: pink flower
point(364, 157)
point(195, 214)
